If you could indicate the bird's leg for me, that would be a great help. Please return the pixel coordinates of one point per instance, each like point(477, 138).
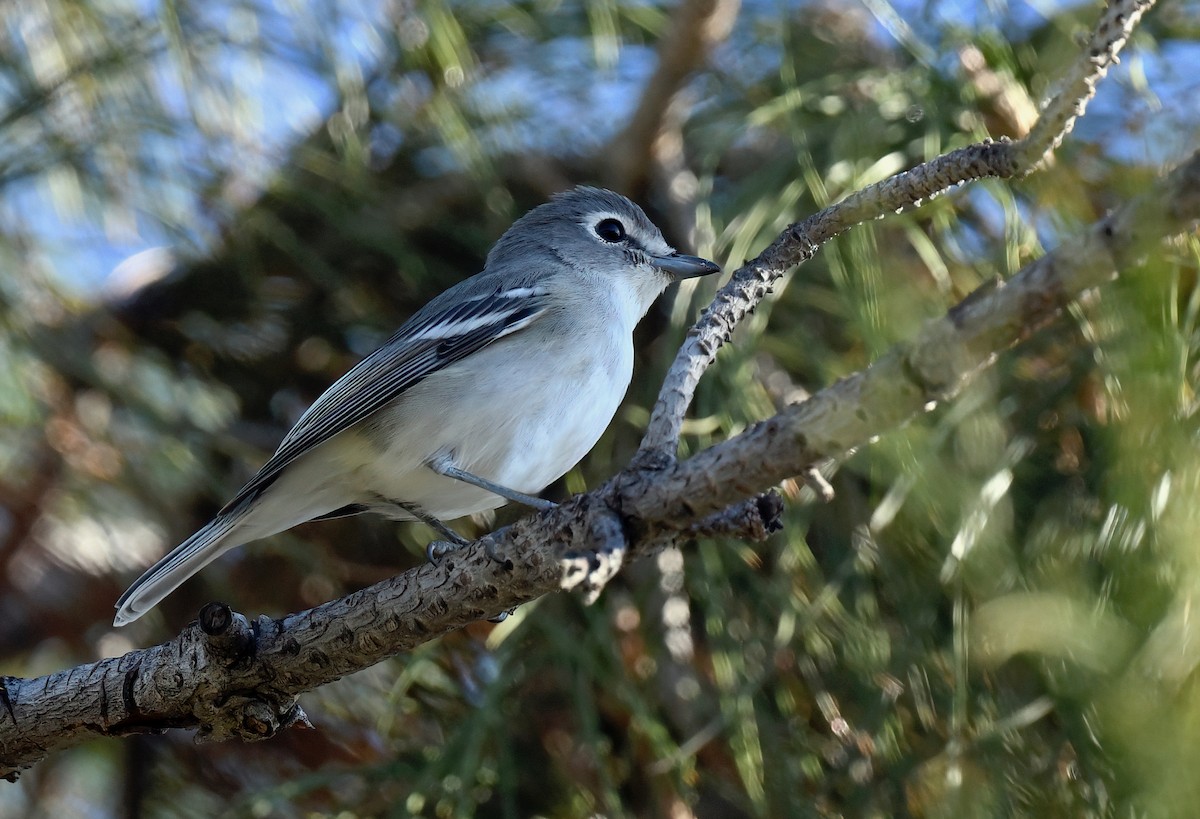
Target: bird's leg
point(441, 464)
point(429, 520)
point(437, 549)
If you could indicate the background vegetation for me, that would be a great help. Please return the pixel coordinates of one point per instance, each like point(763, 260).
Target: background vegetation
point(208, 211)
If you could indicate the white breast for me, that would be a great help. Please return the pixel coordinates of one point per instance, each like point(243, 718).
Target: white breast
point(521, 412)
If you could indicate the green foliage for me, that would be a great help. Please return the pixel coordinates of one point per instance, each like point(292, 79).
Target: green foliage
point(992, 618)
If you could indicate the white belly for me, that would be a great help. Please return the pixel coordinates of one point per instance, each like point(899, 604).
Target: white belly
point(522, 428)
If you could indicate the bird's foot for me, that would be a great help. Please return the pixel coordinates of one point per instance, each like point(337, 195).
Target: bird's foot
point(438, 549)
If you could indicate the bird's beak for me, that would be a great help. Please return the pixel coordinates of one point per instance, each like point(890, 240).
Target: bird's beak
point(685, 267)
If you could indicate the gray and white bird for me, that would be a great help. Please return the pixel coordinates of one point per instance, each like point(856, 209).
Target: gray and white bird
point(490, 392)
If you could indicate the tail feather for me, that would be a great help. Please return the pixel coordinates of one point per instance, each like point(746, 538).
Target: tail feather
point(189, 557)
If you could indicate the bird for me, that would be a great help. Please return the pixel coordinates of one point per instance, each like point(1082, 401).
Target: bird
point(490, 392)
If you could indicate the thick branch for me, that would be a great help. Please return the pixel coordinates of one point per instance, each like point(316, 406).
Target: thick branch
point(750, 284)
point(230, 680)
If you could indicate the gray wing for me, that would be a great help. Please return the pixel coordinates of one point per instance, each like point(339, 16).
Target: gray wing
point(430, 340)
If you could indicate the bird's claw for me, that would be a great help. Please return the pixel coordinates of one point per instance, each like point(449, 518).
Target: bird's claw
point(438, 549)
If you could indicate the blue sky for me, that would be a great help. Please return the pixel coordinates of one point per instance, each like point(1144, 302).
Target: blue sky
point(282, 95)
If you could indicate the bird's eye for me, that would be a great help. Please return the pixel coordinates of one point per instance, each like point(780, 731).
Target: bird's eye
point(610, 230)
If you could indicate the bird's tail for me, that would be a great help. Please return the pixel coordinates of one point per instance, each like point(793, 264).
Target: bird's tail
point(189, 557)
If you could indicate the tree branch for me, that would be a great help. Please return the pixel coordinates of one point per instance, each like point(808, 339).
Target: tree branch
point(913, 377)
point(230, 678)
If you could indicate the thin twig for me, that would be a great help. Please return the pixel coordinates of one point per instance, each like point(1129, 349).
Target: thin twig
point(752, 282)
